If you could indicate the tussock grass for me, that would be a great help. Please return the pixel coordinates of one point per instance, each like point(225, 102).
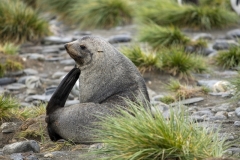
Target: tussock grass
point(7, 104)
point(229, 59)
point(194, 17)
point(20, 23)
point(158, 37)
point(143, 136)
point(143, 60)
point(216, 3)
point(9, 48)
point(102, 14)
point(62, 8)
point(178, 63)
point(184, 91)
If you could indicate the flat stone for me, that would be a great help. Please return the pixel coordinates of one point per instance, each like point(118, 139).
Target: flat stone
point(36, 56)
point(205, 36)
point(19, 147)
point(7, 80)
point(44, 98)
point(203, 113)
point(188, 101)
point(57, 40)
point(119, 38)
point(235, 33)
point(67, 62)
point(59, 74)
point(30, 71)
point(8, 127)
point(50, 90)
point(50, 50)
point(224, 44)
point(14, 74)
point(224, 107)
point(16, 86)
point(207, 83)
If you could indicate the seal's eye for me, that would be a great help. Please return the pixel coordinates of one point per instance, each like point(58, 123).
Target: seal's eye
point(82, 46)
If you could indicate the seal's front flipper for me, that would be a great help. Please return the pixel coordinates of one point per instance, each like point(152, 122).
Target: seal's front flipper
point(60, 96)
point(58, 100)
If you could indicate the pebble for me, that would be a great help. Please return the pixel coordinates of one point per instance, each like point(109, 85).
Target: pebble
point(57, 40)
point(224, 44)
point(30, 71)
point(15, 86)
point(235, 33)
point(8, 127)
point(69, 62)
point(36, 56)
point(59, 74)
point(224, 107)
point(119, 38)
point(237, 111)
point(19, 147)
point(33, 82)
point(237, 123)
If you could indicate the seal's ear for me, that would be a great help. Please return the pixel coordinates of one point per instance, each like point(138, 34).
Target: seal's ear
point(99, 49)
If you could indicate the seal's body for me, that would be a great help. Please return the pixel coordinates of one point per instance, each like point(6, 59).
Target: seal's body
point(107, 78)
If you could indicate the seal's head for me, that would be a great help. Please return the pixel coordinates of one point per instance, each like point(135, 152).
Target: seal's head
point(84, 50)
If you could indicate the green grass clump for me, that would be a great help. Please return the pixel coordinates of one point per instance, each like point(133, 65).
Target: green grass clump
point(20, 23)
point(216, 3)
point(229, 59)
point(178, 63)
point(11, 65)
point(158, 37)
point(167, 99)
point(144, 136)
point(103, 14)
point(7, 104)
point(9, 48)
point(62, 8)
point(194, 17)
point(144, 61)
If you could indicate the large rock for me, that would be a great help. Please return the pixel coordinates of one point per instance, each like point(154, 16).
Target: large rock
point(235, 33)
point(20, 147)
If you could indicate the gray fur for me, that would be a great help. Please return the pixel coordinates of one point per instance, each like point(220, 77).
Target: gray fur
point(106, 77)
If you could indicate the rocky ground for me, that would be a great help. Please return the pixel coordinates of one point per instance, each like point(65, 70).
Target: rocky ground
point(47, 62)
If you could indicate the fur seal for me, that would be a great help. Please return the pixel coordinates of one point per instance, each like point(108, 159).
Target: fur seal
point(106, 79)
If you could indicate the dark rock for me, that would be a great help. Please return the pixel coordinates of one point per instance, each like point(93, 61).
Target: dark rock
point(7, 80)
point(120, 39)
point(224, 44)
point(19, 147)
point(235, 33)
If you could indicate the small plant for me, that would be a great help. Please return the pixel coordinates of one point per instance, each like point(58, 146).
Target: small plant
point(9, 48)
point(178, 63)
point(185, 91)
point(103, 13)
point(168, 99)
point(13, 66)
point(7, 104)
point(229, 59)
point(144, 136)
point(144, 61)
point(20, 23)
point(158, 37)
